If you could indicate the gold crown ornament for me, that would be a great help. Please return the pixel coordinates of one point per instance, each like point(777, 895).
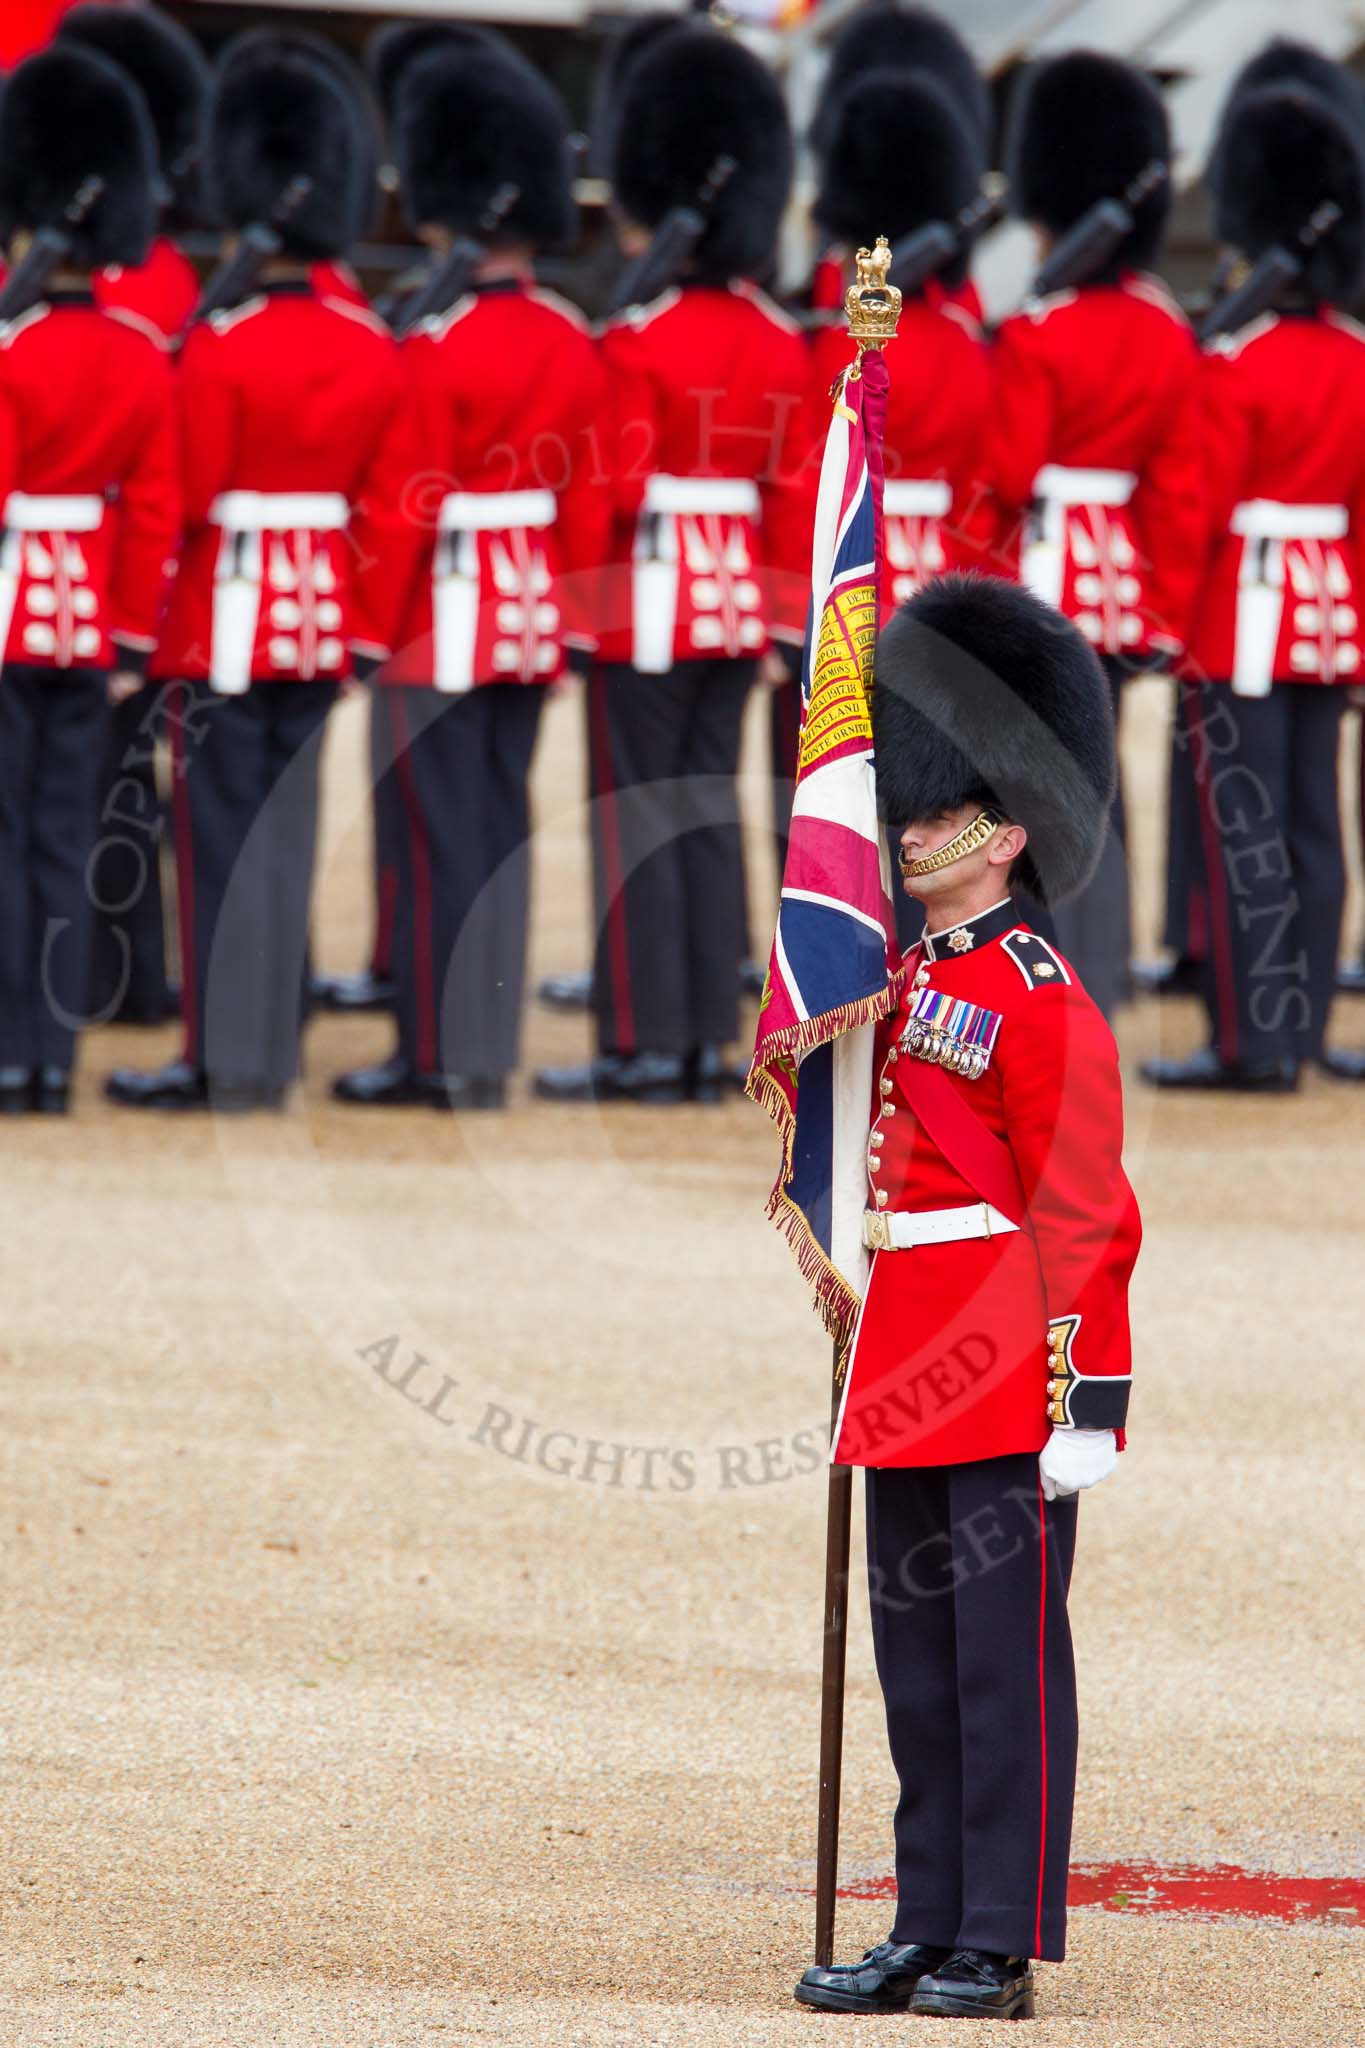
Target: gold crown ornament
point(872, 304)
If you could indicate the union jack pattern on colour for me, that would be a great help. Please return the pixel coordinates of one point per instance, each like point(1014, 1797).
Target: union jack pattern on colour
point(835, 968)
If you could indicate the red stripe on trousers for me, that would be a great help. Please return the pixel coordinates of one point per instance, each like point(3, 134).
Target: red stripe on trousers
point(381, 953)
point(1220, 936)
point(421, 893)
point(1042, 1710)
point(182, 833)
point(618, 941)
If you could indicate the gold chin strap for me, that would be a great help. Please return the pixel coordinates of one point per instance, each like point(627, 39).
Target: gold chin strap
point(984, 826)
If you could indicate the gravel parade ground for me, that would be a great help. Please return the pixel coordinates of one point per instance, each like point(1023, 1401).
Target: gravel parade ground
point(414, 1540)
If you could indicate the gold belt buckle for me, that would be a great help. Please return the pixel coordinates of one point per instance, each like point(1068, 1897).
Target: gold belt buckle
point(876, 1231)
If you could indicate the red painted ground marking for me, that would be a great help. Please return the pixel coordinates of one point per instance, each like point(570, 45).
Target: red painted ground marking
point(1186, 1888)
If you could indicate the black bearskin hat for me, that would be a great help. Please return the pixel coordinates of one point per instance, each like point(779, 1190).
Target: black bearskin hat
point(1283, 152)
point(984, 694)
point(1081, 129)
point(278, 113)
point(900, 155)
point(1282, 62)
point(619, 57)
point(397, 44)
point(885, 36)
point(347, 74)
point(693, 97)
point(469, 119)
point(69, 115)
point(169, 70)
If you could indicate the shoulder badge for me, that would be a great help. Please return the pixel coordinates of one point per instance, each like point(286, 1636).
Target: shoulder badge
point(1035, 959)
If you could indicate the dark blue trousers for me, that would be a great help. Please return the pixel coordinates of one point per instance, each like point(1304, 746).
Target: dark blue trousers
point(968, 1568)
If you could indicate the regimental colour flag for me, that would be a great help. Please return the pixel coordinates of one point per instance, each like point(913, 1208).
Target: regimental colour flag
point(835, 968)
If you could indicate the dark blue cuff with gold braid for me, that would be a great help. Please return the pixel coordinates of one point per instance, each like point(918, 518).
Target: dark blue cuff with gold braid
point(1078, 1400)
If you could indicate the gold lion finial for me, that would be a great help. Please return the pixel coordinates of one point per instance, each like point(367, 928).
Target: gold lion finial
point(872, 304)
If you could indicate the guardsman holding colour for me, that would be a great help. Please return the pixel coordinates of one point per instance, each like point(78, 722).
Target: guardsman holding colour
point(989, 1373)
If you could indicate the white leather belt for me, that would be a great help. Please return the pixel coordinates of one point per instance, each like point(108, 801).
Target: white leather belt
point(901, 1230)
point(1271, 519)
point(913, 498)
point(494, 511)
point(1065, 486)
point(80, 513)
point(737, 495)
point(280, 511)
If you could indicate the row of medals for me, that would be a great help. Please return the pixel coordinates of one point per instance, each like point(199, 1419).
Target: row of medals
point(926, 1042)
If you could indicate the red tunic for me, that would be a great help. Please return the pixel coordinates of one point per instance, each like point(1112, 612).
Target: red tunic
point(88, 483)
point(482, 535)
point(163, 291)
point(935, 429)
point(1094, 468)
point(1282, 417)
point(705, 431)
point(287, 400)
point(952, 1360)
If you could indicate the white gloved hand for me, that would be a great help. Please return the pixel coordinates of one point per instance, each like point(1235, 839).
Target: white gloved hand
point(1073, 1459)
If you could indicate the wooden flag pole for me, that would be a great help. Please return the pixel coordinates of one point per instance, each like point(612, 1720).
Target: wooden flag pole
point(838, 1524)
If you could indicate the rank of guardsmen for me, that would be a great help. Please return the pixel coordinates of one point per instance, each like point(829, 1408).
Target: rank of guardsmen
point(230, 500)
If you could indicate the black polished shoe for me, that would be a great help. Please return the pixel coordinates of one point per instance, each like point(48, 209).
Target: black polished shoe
point(1178, 977)
point(1341, 1062)
point(351, 994)
point(711, 1077)
point(655, 1078)
point(177, 1086)
point(52, 1091)
point(1204, 1069)
point(1351, 978)
point(975, 1985)
point(395, 1085)
point(567, 991)
point(884, 1981)
point(16, 1091)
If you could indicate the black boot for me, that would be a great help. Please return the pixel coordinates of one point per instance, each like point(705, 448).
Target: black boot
point(1342, 1062)
point(567, 991)
point(1204, 1069)
point(975, 1984)
point(352, 994)
point(884, 1981)
point(393, 1084)
point(656, 1078)
point(16, 1091)
point(711, 1077)
point(177, 1086)
point(52, 1091)
point(1179, 977)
